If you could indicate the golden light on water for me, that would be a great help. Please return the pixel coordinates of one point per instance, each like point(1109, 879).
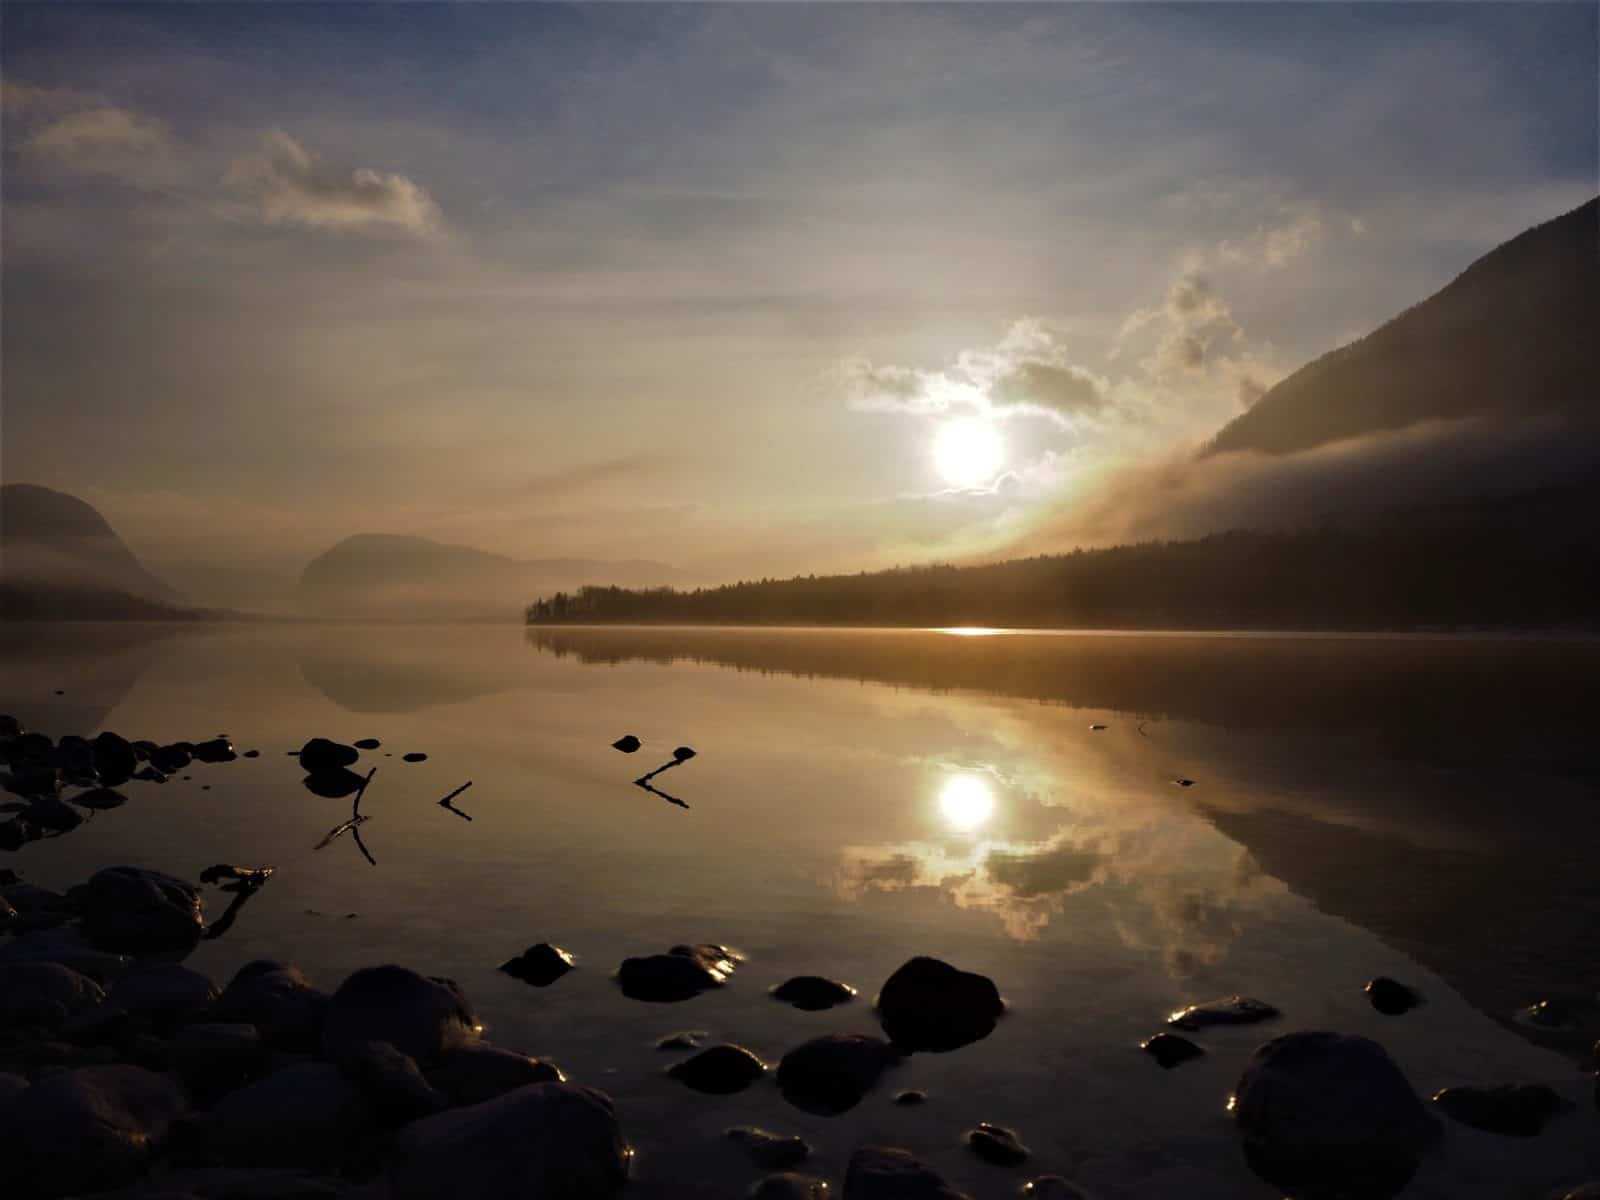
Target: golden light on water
point(966, 801)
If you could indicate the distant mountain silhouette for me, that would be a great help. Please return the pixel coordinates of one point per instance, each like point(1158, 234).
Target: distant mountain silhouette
point(61, 560)
point(400, 576)
point(1512, 336)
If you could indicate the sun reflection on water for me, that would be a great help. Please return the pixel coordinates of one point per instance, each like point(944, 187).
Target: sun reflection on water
point(967, 801)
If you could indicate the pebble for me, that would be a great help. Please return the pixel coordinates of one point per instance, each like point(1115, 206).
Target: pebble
point(768, 1150)
point(997, 1144)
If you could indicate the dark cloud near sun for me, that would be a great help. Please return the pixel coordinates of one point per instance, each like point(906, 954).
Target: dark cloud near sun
point(1042, 385)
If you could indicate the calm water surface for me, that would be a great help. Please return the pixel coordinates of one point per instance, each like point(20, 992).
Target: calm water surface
point(1423, 808)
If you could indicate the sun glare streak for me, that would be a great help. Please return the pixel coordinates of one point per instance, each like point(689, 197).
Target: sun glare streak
point(966, 802)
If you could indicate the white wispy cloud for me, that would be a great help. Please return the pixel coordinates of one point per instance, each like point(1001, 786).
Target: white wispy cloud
point(291, 187)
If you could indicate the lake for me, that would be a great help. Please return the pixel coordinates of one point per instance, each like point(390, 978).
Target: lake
point(1418, 807)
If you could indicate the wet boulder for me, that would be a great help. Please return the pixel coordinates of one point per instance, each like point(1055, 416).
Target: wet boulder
point(320, 754)
point(169, 760)
point(680, 973)
point(1391, 997)
point(419, 1016)
point(479, 1072)
point(1169, 1050)
point(279, 1001)
point(910, 1096)
point(1327, 1116)
point(927, 1004)
point(540, 965)
point(135, 909)
point(719, 1070)
point(90, 1128)
point(216, 750)
point(392, 1083)
point(768, 1150)
point(1229, 1010)
point(47, 812)
point(997, 1144)
point(830, 1074)
point(302, 1116)
point(813, 993)
point(888, 1173)
point(114, 758)
point(557, 1141)
point(67, 947)
point(165, 993)
point(786, 1185)
point(1511, 1110)
point(44, 993)
point(214, 1058)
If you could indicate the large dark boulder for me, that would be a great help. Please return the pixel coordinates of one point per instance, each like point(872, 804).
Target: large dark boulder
point(392, 1083)
point(279, 1001)
point(555, 1141)
point(165, 993)
point(215, 1058)
point(67, 947)
point(44, 993)
point(419, 1016)
point(929, 1005)
point(830, 1074)
point(302, 1116)
point(479, 1072)
point(138, 910)
point(95, 1127)
point(1327, 1116)
point(680, 973)
point(888, 1173)
point(114, 758)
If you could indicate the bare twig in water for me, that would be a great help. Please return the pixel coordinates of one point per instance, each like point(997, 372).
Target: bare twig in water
point(445, 803)
point(340, 830)
point(644, 782)
point(355, 808)
point(1142, 733)
point(362, 846)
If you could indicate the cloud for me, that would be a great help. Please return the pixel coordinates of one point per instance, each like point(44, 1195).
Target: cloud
point(98, 135)
point(1043, 386)
point(560, 485)
point(293, 188)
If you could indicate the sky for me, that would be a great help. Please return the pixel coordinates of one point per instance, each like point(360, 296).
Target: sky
point(750, 289)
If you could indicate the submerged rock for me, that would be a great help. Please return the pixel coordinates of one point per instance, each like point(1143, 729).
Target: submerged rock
point(320, 754)
point(1549, 1015)
point(278, 1000)
point(473, 1074)
point(813, 993)
point(99, 798)
point(44, 993)
point(687, 1039)
point(332, 783)
point(720, 1070)
point(786, 1185)
point(929, 1005)
point(768, 1150)
point(419, 1016)
point(997, 1144)
point(540, 965)
point(1052, 1187)
point(830, 1074)
point(1169, 1050)
point(85, 1129)
point(135, 909)
point(680, 973)
point(1327, 1116)
point(1230, 1010)
point(887, 1173)
point(1391, 997)
point(911, 1096)
point(1513, 1110)
point(301, 1116)
point(552, 1140)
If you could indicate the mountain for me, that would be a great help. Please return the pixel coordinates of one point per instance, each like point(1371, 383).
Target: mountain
point(60, 559)
point(403, 577)
point(1512, 337)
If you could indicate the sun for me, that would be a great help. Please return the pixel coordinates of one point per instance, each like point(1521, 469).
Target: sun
point(966, 802)
point(968, 452)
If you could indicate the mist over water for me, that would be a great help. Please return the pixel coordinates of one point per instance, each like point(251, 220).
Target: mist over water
point(1420, 808)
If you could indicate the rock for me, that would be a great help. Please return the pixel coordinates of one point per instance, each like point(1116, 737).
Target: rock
point(680, 973)
point(1588, 1191)
point(688, 1039)
point(682, 754)
point(44, 993)
point(1327, 1116)
point(17, 833)
point(540, 965)
point(1052, 1187)
point(997, 1144)
point(830, 1074)
point(67, 947)
point(149, 775)
point(768, 1150)
point(885, 1173)
point(232, 1183)
point(319, 754)
point(788, 1186)
point(99, 798)
point(929, 1005)
point(47, 812)
point(169, 760)
point(334, 783)
point(1096, 727)
point(10, 727)
point(216, 1057)
point(1549, 1015)
point(90, 1128)
point(555, 1141)
point(720, 1070)
point(368, 744)
point(251, 754)
point(30, 898)
point(813, 993)
point(1181, 782)
point(1168, 1049)
point(420, 1017)
point(216, 750)
point(627, 743)
point(473, 1074)
point(1391, 997)
point(302, 1116)
point(277, 1000)
point(1513, 1110)
point(114, 759)
point(414, 757)
point(134, 909)
point(167, 993)
point(391, 1083)
point(911, 1096)
point(1230, 1010)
